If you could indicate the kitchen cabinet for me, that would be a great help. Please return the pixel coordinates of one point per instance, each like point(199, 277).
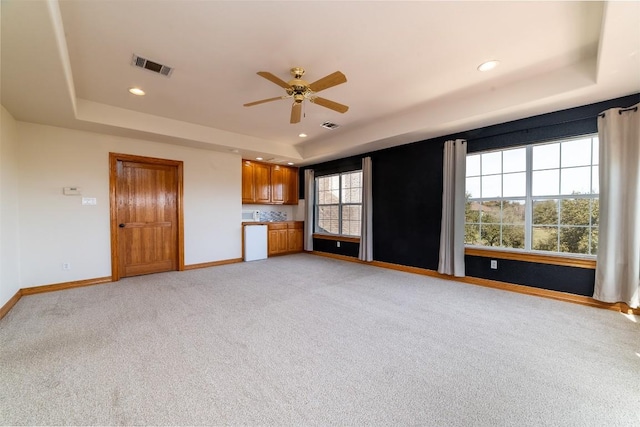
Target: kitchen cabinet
point(290, 186)
point(248, 182)
point(278, 183)
point(285, 237)
point(262, 180)
point(295, 238)
point(278, 238)
point(268, 184)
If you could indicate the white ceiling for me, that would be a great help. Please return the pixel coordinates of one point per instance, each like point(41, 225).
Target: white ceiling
point(411, 68)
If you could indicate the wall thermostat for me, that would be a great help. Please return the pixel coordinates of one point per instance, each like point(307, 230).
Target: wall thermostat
point(72, 191)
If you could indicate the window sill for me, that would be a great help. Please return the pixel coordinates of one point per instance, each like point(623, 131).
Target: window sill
point(587, 261)
point(336, 237)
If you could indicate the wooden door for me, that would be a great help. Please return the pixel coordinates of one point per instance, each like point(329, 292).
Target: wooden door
point(292, 240)
point(298, 245)
point(274, 244)
point(290, 187)
point(278, 180)
point(146, 216)
point(283, 241)
point(262, 182)
point(296, 236)
point(248, 182)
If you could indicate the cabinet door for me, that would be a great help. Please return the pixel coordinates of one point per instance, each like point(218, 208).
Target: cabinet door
point(262, 183)
point(292, 240)
point(274, 242)
point(290, 186)
point(248, 182)
point(283, 240)
point(295, 240)
point(299, 237)
point(278, 183)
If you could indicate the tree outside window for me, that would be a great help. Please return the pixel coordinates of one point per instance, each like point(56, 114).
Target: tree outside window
point(541, 197)
point(339, 204)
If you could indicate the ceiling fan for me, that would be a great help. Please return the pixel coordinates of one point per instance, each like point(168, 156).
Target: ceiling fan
point(300, 90)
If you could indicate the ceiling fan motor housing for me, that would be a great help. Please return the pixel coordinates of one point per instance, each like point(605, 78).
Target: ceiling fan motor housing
point(300, 90)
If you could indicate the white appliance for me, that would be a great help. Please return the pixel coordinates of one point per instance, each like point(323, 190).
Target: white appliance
point(255, 242)
point(248, 216)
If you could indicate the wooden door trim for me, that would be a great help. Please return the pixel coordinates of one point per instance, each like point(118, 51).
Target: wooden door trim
point(113, 205)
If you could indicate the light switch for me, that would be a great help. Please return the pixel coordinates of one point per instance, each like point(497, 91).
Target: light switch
point(89, 201)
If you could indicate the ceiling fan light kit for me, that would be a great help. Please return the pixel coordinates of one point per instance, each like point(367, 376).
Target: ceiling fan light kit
point(299, 90)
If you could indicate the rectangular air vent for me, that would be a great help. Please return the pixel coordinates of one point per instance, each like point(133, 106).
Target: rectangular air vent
point(147, 64)
point(329, 125)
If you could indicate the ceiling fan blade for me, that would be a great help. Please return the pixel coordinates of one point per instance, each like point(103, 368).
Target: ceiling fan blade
point(262, 101)
point(296, 110)
point(326, 82)
point(335, 106)
point(267, 75)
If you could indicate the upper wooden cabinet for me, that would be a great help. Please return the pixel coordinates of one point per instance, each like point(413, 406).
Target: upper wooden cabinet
point(248, 182)
point(277, 184)
point(262, 183)
point(267, 184)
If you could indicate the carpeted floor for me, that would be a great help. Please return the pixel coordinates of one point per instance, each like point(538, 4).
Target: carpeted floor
point(307, 340)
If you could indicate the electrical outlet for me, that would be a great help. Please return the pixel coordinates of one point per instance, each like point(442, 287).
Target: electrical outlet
point(494, 264)
point(338, 244)
point(66, 266)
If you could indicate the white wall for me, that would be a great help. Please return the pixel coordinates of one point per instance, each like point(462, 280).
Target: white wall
point(9, 241)
point(56, 229)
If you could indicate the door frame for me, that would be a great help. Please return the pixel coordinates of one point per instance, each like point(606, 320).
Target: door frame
point(113, 206)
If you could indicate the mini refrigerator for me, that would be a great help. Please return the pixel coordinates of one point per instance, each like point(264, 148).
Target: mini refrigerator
point(255, 242)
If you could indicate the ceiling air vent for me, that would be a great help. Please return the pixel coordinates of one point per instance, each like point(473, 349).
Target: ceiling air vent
point(329, 125)
point(147, 64)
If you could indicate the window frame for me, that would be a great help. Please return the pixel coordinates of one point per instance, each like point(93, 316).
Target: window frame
point(327, 235)
point(527, 253)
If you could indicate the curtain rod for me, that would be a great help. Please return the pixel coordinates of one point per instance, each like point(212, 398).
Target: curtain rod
point(622, 110)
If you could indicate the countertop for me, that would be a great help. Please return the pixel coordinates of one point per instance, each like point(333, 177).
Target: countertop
point(267, 222)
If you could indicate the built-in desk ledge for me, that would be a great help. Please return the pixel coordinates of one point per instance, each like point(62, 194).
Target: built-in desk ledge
point(579, 261)
point(337, 238)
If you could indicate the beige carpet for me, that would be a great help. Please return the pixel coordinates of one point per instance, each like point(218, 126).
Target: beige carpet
point(306, 340)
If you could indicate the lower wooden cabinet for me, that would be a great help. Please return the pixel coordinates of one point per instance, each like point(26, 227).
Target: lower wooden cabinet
point(295, 239)
point(285, 237)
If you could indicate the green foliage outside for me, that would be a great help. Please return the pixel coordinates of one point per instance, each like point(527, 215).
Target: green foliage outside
point(558, 225)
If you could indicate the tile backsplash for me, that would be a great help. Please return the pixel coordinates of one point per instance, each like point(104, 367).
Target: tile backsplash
point(270, 216)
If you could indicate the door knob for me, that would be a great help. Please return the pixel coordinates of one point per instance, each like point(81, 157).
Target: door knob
point(121, 225)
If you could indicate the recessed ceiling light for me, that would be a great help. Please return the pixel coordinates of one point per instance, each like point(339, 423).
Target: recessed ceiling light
point(136, 91)
point(234, 150)
point(489, 65)
point(290, 163)
point(303, 135)
point(258, 158)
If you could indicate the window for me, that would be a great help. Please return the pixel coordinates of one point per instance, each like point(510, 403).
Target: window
point(541, 197)
point(339, 204)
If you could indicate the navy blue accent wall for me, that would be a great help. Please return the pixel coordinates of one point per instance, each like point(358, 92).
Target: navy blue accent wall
point(346, 248)
point(407, 197)
point(579, 281)
point(407, 204)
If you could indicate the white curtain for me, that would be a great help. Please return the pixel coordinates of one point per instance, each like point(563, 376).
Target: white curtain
point(310, 202)
point(453, 200)
point(618, 260)
point(366, 224)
